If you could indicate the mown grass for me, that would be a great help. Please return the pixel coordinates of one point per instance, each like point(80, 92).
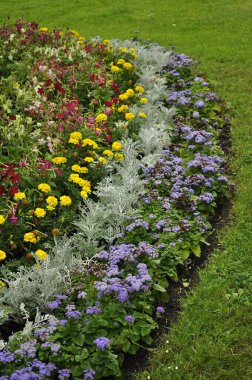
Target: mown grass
point(211, 337)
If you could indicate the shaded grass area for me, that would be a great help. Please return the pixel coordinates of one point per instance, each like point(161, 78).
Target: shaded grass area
point(211, 337)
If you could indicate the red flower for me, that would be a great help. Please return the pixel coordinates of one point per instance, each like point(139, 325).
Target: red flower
point(13, 190)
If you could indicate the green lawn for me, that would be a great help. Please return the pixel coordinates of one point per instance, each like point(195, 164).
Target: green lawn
point(210, 340)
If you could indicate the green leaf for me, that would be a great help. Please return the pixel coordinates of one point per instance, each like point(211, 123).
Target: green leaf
point(159, 288)
point(196, 250)
point(79, 339)
point(184, 254)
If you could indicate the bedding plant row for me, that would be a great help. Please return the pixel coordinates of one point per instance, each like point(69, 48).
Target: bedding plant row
point(130, 127)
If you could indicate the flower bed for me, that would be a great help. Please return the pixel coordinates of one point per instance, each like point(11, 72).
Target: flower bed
point(111, 169)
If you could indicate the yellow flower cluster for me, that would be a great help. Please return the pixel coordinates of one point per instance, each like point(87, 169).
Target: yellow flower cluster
point(117, 145)
point(142, 114)
point(51, 202)
point(65, 200)
point(123, 108)
point(2, 284)
point(75, 137)
point(90, 142)
point(79, 169)
point(115, 69)
point(59, 160)
point(108, 153)
point(101, 117)
point(40, 254)
point(44, 187)
point(43, 29)
point(89, 159)
point(18, 196)
point(120, 61)
point(139, 89)
point(40, 212)
point(119, 156)
point(2, 255)
point(102, 160)
point(31, 237)
point(143, 100)
point(129, 116)
point(128, 66)
point(2, 219)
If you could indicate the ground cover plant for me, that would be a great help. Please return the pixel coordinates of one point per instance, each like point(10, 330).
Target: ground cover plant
point(128, 141)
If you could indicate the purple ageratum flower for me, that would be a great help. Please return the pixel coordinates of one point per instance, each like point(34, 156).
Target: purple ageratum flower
point(195, 114)
point(88, 374)
point(199, 104)
point(75, 314)
point(63, 322)
point(53, 305)
point(160, 310)
point(93, 310)
point(25, 374)
point(101, 343)
point(27, 349)
point(45, 369)
point(129, 318)
point(6, 357)
point(64, 373)
point(4, 377)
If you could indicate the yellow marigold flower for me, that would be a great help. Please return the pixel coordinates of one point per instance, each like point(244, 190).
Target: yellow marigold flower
point(129, 116)
point(123, 97)
point(18, 196)
point(44, 187)
point(101, 118)
point(2, 219)
point(31, 237)
point(134, 56)
point(2, 284)
point(102, 160)
point(40, 212)
point(120, 61)
point(74, 178)
point(119, 156)
point(123, 49)
point(84, 194)
point(2, 255)
point(132, 50)
point(139, 89)
point(50, 208)
point(73, 141)
point(143, 100)
point(65, 200)
point(43, 29)
point(79, 169)
point(80, 42)
point(59, 160)
point(76, 136)
point(115, 69)
point(40, 254)
point(89, 159)
point(105, 42)
point(85, 184)
point(75, 33)
point(108, 153)
point(128, 66)
point(142, 114)
point(123, 108)
point(130, 92)
point(90, 142)
point(116, 145)
point(52, 201)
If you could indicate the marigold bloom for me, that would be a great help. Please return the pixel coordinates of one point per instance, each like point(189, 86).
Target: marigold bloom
point(123, 108)
point(89, 142)
point(129, 116)
point(2, 284)
point(43, 29)
point(128, 66)
point(142, 114)
point(40, 254)
point(52, 201)
point(139, 89)
point(101, 117)
point(117, 145)
point(74, 178)
point(31, 237)
point(130, 92)
point(2, 219)
point(123, 97)
point(59, 160)
point(119, 156)
point(120, 61)
point(73, 141)
point(102, 160)
point(76, 136)
point(105, 42)
point(65, 200)
point(2, 255)
point(108, 153)
point(123, 49)
point(44, 187)
point(40, 212)
point(79, 169)
point(89, 159)
point(115, 69)
point(18, 196)
point(143, 100)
